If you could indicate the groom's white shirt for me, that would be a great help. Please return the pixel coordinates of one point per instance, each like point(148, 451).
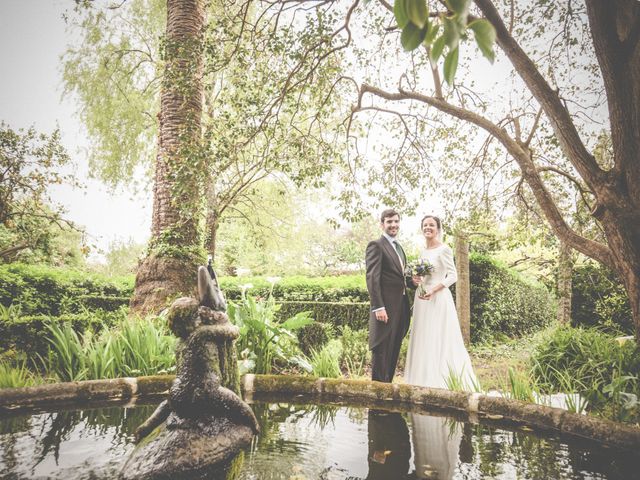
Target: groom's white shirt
point(392, 241)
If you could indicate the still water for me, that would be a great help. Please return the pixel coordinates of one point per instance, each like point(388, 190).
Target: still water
point(300, 442)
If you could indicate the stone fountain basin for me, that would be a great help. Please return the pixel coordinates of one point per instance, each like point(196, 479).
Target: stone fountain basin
point(325, 390)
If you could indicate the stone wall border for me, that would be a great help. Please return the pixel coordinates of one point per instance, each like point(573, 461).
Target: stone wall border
point(337, 389)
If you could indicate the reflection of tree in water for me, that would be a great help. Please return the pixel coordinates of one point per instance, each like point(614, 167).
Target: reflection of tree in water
point(9, 430)
point(527, 455)
point(271, 416)
point(49, 430)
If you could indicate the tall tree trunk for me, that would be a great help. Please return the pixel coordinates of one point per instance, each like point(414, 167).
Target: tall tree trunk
point(615, 31)
point(463, 288)
point(174, 252)
point(565, 271)
point(213, 221)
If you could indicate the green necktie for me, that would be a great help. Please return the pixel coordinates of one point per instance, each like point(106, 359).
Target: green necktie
point(403, 257)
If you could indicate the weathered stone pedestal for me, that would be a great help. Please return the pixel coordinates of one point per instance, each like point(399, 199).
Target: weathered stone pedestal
point(202, 452)
point(201, 427)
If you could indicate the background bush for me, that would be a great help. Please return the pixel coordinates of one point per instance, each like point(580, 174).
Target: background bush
point(44, 290)
point(314, 336)
point(504, 302)
point(344, 288)
point(355, 315)
point(593, 363)
point(599, 299)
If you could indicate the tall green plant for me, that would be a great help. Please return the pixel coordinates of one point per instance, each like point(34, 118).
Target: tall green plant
point(141, 346)
point(17, 376)
point(355, 351)
point(264, 338)
point(67, 357)
point(326, 362)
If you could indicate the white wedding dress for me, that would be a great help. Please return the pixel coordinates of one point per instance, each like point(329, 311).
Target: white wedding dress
point(436, 349)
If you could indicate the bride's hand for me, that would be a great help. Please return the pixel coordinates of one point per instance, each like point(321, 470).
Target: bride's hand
point(427, 295)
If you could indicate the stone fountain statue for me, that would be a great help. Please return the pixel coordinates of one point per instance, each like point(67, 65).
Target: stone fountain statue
point(202, 424)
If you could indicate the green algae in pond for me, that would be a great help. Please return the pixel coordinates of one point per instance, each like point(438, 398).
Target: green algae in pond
point(312, 442)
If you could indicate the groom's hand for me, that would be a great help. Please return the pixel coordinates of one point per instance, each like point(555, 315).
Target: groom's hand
point(381, 315)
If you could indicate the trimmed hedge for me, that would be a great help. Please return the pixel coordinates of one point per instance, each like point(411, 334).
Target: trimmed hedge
point(599, 299)
point(342, 289)
point(355, 315)
point(502, 302)
point(505, 302)
point(102, 302)
point(43, 290)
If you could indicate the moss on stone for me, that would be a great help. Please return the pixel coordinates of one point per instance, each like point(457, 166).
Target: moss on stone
point(601, 430)
point(180, 315)
point(281, 383)
point(154, 385)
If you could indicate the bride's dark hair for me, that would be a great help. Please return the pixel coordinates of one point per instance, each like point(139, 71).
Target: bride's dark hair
point(438, 222)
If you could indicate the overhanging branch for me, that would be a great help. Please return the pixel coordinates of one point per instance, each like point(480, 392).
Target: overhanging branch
point(522, 156)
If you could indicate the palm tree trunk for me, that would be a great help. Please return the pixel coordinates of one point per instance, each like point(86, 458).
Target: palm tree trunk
point(174, 252)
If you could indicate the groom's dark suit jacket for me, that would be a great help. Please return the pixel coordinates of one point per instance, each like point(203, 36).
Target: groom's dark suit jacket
point(387, 288)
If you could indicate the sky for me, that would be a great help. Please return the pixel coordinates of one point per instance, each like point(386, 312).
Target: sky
point(33, 36)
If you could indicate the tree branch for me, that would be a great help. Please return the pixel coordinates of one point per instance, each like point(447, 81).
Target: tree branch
point(548, 99)
point(522, 156)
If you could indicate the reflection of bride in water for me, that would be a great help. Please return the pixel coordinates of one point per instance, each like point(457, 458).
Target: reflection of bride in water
point(436, 443)
point(435, 440)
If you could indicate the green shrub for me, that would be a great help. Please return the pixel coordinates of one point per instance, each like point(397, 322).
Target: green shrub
point(604, 371)
point(505, 303)
point(355, 315)
point(344, 288)
point(314, 336)
point(355, 351)
point(599, 299)
point(44, 290)
point(103, 302)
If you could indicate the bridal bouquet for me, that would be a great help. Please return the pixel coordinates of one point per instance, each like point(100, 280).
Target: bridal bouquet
point(421, 267)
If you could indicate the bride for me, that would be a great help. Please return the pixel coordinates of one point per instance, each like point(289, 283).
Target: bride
point(436, 349)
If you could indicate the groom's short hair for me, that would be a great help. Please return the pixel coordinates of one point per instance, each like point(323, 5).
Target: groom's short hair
point(388, 213)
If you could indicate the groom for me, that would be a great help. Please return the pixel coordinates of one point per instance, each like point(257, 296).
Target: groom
point(387, 285)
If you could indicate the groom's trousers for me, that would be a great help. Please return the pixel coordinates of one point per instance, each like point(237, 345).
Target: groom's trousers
point(384, 357)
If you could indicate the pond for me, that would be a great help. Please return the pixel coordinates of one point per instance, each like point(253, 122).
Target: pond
point(316, 442)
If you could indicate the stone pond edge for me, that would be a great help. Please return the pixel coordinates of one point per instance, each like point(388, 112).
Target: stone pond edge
point(392, 395)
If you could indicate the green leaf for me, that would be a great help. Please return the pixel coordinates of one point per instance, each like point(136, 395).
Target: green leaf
point(298, 321)
point(485, 37)
point(432, 31)
point(417, 12)
point(461, 7)
point(411, 37)
point(451, 33)
point(400, 12)
point(436, 50)
point(451, 65)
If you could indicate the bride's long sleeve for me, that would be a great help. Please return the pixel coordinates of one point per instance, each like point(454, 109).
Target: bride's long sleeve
point(451, 276)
